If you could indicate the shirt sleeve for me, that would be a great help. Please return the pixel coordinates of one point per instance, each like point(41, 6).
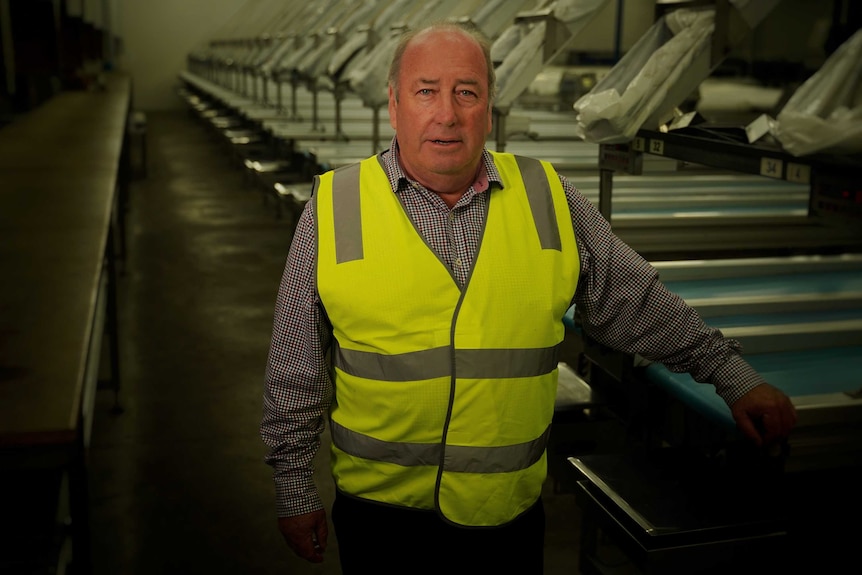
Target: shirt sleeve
point(298, 389)
point(623, 304)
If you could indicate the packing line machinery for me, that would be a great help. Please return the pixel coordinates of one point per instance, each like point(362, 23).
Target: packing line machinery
point(703, 495)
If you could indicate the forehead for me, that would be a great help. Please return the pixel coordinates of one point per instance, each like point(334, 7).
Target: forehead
point(438, 53)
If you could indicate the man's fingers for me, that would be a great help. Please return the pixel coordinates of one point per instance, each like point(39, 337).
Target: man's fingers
point(320, 537)
point(771, 425)
point(778, 423)
point(765, 415)
point(306, 534)
point(308, 548)
point(749, 430)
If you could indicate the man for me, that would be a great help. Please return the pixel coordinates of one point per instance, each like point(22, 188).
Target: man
point(421, 308)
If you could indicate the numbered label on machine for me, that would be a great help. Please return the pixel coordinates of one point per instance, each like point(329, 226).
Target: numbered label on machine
point(795, 172)
point(798, 173)
point(772, 168)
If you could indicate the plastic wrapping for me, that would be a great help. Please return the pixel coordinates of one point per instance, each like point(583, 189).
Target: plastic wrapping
point(317, 61)
point(351, 54)
point(825, 113)
point(521, 49)
point(574, 12)
point(368, 77)
point(369, 81)
point(521, 65)
point(632, 92)
point(505, 43)
point(347, 51)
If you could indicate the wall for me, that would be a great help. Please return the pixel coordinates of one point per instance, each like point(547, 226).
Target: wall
point(156, 37)
point(796, 31)
point(599, 37)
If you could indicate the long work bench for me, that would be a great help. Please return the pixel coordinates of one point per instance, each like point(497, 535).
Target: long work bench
point(62, 182)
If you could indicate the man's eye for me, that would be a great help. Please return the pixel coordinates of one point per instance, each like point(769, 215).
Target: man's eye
point(425, 91)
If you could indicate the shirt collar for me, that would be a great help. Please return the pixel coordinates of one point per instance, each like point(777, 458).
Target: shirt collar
point(486, 175)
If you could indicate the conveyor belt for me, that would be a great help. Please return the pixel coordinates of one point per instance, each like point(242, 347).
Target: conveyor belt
point(723, 237)
point(770, 288)
point(800, 324)
point(814, 379)
point(802, 311)
point(770, 291)
point(351, 108)
point(326, 130)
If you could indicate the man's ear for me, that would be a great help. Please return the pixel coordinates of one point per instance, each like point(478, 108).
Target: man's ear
point(392, 105)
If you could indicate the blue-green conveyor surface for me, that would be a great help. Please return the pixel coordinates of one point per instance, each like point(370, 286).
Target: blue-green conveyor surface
point(774, 285)
point(815, 372)
point(806, 372)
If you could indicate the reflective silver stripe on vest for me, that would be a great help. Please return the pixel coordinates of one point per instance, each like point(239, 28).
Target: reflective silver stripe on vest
point(418, 365)
point(502, 363)
point(345, 213)
point(541, 202)
point(431, 363)
point(495, 459)
point(461, 459)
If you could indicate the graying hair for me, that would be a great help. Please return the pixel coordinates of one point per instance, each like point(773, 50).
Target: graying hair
point(465, 27)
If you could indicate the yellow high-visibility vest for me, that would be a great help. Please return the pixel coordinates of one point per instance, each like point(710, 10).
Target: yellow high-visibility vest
point(444, 395)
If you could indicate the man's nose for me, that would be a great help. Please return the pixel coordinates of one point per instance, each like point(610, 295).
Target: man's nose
point(447, 111)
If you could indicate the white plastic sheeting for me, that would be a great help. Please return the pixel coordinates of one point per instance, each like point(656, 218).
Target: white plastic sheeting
point(825, 113)
point(317, 60)
point(658, 73)
point(368, 72)
point(362, 41)
point(520, 49)
point(289, 40)
point(494, 15)
point(368, 78)
point(617, 107)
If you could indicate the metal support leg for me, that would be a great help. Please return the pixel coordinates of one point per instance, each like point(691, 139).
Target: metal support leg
point(375, 130)
point(606, 187)
point(293, 113)
point(339, 133)
point(79, 509)
point(500, 122)
point(113, 323)
point(589, 545)
point(314, 116)
point(279, 105)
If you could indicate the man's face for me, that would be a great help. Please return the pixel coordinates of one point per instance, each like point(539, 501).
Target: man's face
point(441, 114)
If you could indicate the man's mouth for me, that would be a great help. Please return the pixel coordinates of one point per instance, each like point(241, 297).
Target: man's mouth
point(446, 142)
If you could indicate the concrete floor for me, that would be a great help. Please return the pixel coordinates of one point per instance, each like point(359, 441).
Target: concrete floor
point(178, 483)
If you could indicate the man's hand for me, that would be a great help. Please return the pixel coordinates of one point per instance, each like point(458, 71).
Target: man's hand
point(765, 415)
point(306, 534)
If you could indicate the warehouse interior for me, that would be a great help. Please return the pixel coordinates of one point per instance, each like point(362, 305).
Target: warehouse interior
point(147, 209)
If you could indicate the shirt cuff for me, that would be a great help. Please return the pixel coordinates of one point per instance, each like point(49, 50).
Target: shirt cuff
point(735, 378)
point(296, 498)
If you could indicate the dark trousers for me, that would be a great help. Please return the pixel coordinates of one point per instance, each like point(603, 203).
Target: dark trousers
point(379, 539)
